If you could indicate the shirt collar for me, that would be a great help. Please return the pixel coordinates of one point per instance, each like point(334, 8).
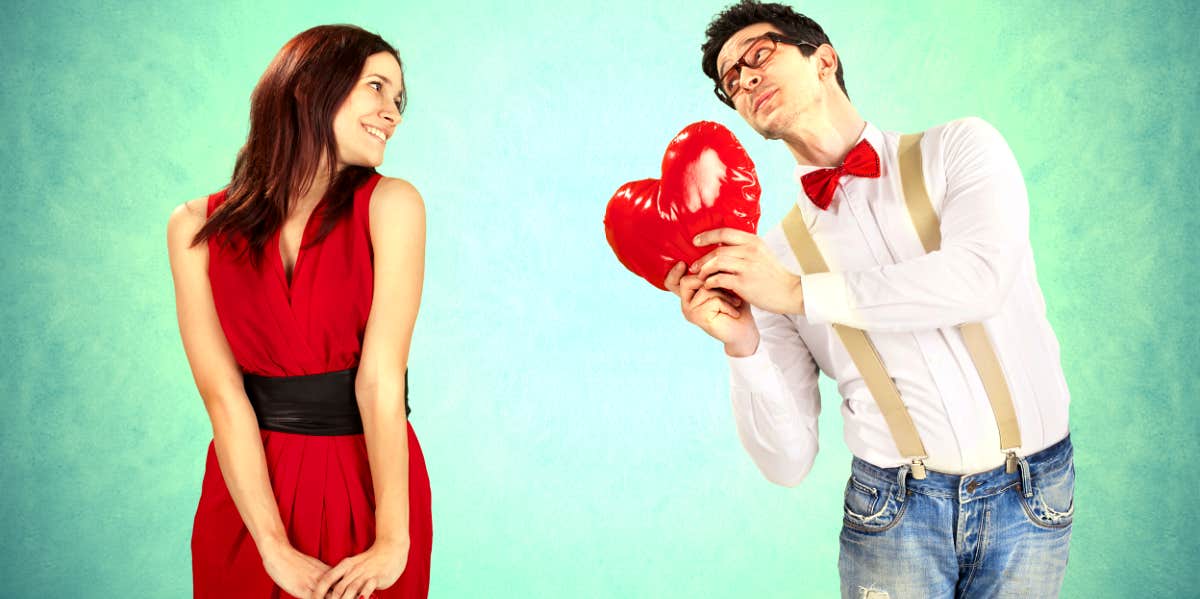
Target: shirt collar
point(870, 132)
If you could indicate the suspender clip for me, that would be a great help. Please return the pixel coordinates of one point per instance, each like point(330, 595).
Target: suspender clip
point(918, 468)
point(1010, 463)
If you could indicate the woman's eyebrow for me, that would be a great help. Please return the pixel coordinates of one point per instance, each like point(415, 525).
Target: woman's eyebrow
point(385, 79)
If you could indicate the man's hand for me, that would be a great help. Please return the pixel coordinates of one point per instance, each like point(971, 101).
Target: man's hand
point(722, 315)
point(744, 266)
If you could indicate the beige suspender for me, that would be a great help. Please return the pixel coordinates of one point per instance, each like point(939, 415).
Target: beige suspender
point(882, 387)
point(920, 208)
point(862, 352)
point(916, 198)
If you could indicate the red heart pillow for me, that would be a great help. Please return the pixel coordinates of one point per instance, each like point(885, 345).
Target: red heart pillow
point(708, 182)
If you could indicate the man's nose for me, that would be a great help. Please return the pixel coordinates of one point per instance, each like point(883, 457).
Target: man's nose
point(750, 79)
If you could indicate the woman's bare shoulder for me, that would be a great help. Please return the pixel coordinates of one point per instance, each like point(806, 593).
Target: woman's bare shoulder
point(186, 220)
point(396, 202)
point(392, 190)
point(192, 212)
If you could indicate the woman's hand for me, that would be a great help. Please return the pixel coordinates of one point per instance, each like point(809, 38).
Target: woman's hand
point(360, 575)
point(296, 573)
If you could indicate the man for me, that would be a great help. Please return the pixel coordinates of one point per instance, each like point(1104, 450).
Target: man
point(947, 497)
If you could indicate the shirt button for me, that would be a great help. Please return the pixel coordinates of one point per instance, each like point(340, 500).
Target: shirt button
point(971, 486)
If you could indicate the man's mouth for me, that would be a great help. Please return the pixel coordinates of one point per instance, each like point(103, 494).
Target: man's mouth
point(763, 99)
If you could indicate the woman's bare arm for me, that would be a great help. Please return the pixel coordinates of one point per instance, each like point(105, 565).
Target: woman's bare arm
point(397, 216)
point(236, 436)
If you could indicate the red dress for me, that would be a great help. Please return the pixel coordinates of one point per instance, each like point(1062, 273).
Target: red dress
point(322, 484)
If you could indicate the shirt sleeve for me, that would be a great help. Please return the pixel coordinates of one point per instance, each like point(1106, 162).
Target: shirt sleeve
point(985, 230)
point(776, 401)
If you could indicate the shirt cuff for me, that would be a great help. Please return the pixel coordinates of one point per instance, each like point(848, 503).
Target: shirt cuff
point(748, 373)
point(825, 298)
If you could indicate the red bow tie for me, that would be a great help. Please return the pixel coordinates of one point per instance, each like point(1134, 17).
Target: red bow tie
point(862, 161)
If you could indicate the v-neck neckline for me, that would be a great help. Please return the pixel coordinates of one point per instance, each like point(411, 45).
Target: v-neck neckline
point(290, 280)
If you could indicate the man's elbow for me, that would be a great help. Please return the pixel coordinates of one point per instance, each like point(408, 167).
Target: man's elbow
point(988, 281)
point(788, 469)
point(983, 306)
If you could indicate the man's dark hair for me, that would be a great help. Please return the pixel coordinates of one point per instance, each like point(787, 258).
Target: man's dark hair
point(749, 12)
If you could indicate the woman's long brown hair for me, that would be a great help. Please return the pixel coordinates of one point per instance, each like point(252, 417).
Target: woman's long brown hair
point(291, 134)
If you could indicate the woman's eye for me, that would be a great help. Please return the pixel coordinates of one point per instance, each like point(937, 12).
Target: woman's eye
point(376, 85)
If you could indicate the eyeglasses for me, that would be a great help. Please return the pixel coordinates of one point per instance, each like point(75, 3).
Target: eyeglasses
point(754, 57)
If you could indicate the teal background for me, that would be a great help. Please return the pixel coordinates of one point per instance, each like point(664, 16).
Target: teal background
point(578, 431)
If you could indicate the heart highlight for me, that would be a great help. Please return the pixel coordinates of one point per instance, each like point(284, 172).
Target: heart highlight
point(708, 182)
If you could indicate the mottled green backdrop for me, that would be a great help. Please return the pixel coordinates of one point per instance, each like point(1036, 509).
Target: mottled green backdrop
point(578, 431)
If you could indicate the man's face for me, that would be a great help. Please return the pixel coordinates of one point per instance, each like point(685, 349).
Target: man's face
point(779, 93)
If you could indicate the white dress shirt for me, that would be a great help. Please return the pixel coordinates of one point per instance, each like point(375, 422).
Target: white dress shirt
point(909, 302)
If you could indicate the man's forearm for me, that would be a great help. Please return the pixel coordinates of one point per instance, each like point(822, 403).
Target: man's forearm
point(779, 432)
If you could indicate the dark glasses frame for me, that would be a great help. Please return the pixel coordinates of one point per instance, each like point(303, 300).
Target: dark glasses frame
point(776, 38)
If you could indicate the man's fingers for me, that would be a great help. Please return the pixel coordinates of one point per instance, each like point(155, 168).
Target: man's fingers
point(721, 281)
point(702, 295)
point(696, 264)
point(715, 306)
point(673, 276)
point(732, 251)
point(732, 298)
point(698, 298)
point(726, 236)
point(730, 264)
point(688, 286)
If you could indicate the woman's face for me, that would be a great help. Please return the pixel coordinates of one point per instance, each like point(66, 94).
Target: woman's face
point(368, 116)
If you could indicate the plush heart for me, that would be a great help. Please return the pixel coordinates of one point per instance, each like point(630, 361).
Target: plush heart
point(708, 182)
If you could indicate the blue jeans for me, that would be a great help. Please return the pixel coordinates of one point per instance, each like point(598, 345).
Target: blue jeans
point(990, 534)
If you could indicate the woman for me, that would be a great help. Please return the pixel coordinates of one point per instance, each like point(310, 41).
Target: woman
point(297, 289)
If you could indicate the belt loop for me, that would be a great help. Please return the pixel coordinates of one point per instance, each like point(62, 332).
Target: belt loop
point(1026, 488)
point(902, 475)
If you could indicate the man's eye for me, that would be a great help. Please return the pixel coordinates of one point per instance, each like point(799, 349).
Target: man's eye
point(761, 54)
point(730, 84)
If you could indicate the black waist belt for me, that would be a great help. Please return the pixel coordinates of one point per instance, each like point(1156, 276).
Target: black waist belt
point(315, 404)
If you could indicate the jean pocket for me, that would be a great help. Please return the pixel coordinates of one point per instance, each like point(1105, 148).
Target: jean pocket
point(1053, 502)
point(869, 508)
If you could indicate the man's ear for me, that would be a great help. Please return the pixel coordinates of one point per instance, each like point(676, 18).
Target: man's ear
point(827, 60)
